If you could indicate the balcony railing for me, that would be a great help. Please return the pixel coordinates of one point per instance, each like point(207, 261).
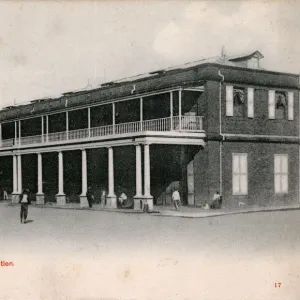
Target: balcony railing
point(185, 123)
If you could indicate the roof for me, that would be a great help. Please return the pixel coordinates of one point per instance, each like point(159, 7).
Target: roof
point(224, 60)
point(154, 76)
point(246, 56)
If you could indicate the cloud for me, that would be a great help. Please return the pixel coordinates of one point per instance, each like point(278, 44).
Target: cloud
point(240, 26)
point(51, 47)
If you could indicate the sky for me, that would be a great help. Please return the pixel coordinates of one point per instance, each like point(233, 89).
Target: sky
point(53, 47)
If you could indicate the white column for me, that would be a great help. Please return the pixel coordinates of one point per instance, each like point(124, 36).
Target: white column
point(147, 196)
point(84, 173)
point(15, 175)
point(19, 158)
point(83, 197)
point(141, 113)
point(47, 128)
point(60, 174)
point(111, 197)
point(111, 184)
point(14, 195)
point(89, 121)
point(147, 171)
point(60, 197)
point(40, 174)
point(179, 109)
point(40, 198)
point(114, 116)
point(67, 125)
point(171, 110)
point(138, 178)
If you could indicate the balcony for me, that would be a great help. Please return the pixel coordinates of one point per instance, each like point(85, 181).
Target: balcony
point(170, 124)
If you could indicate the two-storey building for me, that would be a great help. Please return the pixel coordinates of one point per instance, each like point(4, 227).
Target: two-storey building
point(221, 124)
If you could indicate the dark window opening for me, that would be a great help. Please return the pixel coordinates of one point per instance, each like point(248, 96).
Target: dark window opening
point(239, 107)
point(280, 105)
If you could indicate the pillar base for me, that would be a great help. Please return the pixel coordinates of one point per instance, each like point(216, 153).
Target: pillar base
point(61, 199)
point(149, 201)
point(40, 199)
point(83, 201)
point(111, 201)
point(138, 202)
point(15, 198)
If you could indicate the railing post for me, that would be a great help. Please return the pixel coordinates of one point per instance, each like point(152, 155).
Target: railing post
point(180, 108)
point(42, 120)
point(89, 121)
point(171, 110)
point(47, 128)
point(20, 133)
point(114, 116)
point(16, 134)
point(141, 113)
point(67, 125)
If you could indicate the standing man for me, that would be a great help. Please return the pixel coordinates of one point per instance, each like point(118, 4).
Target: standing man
point(5, 195)
point(176, 198)
point(24, 200)
point(90, 196)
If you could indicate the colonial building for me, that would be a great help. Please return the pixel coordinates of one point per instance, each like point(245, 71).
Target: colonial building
point(221, 124)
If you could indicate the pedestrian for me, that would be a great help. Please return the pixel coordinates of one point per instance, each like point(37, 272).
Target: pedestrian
point(90, 196)
point(103, 198)
point(24, 200)
point(122, 200)
point(216, 202)
point(5, 195)
point(176, 198)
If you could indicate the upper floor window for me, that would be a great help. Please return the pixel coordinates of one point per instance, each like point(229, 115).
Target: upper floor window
point(281, 105)
point(238, 101)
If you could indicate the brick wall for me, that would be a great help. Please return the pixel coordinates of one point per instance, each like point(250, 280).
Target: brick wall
point(260, 173)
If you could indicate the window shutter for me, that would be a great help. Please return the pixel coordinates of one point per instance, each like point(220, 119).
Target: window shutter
point(229, 100)
point(250, 102)
point(291, 106)
point(271, 104)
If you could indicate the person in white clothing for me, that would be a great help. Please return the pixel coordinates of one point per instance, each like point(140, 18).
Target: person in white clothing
point(176, 198)
point(122, 199)
point(5, 195)
point(216, 201)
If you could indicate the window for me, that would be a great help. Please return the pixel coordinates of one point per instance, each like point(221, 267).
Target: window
point(281, 105)
point(235, 101)
point(239, 174)
point(239, 102)
point(281, 173)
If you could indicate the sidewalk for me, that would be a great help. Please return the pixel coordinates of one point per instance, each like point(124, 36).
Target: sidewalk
point(169, 211)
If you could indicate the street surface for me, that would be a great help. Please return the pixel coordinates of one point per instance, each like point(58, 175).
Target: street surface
point(82, 254)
